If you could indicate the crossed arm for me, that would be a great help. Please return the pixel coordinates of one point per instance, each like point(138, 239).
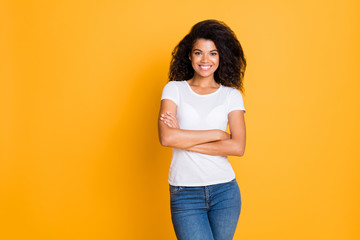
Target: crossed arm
point(213, 142)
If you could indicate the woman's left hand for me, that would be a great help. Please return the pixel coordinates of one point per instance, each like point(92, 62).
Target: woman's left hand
point(169, 120)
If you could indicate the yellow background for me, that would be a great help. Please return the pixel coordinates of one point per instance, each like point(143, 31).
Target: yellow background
point(80, 91)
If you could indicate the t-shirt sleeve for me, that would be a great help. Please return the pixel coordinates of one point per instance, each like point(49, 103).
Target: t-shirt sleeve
point(235, 101)
point(171, 92)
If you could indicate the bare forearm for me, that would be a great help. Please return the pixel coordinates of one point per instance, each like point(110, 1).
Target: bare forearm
point(228, 147)
point(181, 138)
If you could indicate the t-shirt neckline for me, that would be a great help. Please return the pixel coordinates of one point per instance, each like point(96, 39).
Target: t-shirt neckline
point(202, 95)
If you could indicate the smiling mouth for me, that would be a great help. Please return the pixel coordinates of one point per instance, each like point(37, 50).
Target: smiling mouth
point(205, 67)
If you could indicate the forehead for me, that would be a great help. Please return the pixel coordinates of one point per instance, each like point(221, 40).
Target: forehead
point(204, 44)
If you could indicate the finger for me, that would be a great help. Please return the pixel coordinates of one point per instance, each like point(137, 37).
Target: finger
point(168, 121)
point(163, 116)
point(171, 115)
point(174, 120)
point(166, 115)
point(169, 124)
point(166, 118)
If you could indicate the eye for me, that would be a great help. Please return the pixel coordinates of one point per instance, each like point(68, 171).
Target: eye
point(213, 54)
point(197, 53)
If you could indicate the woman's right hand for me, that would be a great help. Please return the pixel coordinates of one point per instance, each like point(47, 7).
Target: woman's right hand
point(169, 120)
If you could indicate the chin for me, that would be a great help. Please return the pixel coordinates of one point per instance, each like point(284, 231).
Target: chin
point(206, 75)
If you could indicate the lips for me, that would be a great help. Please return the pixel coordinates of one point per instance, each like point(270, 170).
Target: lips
point(205, 67)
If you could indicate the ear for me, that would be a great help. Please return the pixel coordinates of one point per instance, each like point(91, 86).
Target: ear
point(189, 57)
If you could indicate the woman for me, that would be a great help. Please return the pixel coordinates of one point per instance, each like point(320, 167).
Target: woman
point(198, 102)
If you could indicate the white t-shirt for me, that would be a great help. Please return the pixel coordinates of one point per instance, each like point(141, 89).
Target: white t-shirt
point(201, 112)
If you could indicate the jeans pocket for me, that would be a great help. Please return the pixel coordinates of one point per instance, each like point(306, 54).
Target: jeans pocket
point(174, 189)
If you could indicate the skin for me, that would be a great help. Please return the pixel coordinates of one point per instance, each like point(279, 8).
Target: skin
point(204, 53)
point(213, 142)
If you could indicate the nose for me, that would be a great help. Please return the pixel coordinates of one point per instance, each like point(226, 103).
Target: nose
point(204, 58)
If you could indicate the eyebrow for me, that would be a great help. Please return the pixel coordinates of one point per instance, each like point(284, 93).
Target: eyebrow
point(201, 51)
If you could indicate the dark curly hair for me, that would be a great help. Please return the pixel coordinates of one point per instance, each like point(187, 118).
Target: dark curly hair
point(232, 62)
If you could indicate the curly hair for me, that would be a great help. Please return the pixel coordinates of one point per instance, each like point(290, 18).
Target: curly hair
point(232, 62)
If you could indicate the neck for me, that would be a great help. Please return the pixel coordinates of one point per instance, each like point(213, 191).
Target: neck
point(204, 81)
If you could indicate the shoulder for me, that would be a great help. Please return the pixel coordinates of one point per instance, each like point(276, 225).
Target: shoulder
point(236, 92)
point(234, 98)
point(231, 91)
point(174, 84)
point(170, 85)
point(228, 88)
point(172, 88)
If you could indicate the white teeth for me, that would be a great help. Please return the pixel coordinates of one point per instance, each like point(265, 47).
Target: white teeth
point(205, 67)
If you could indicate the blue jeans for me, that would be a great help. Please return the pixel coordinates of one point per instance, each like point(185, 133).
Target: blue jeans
point(205, 213)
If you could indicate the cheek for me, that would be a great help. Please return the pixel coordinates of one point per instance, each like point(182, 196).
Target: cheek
point(193, 60)
point(216, 64)
point(215, 59)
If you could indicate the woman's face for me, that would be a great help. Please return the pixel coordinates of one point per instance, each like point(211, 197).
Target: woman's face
point(204, 57)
